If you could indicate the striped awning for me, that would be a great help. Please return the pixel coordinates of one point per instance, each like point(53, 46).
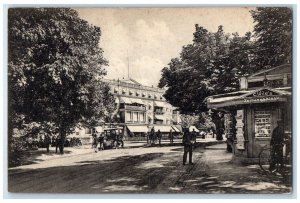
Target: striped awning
point(175, 129)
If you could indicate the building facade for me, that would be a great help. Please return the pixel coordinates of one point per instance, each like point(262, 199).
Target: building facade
point(252, 113)
point(141, 107)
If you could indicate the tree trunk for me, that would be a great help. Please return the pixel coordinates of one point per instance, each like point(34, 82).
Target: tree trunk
point(62, 141)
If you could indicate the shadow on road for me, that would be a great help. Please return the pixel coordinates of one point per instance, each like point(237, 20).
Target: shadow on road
point(149, 173)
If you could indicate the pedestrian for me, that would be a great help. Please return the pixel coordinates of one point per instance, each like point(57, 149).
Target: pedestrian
point(101, 141)
point(159, 136)
point(57, 142)
point(276, 145)
point(95, 140)
point(188, 146)
point(194, 137)
point(53, 141)
point(152, 135)
point(47, 142)
point(171, 136)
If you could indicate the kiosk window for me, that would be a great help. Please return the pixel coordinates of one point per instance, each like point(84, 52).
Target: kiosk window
point(262, 120)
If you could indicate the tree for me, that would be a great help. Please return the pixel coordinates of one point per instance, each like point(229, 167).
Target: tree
point(273, 32)
point(210, 65)
point(55, 66)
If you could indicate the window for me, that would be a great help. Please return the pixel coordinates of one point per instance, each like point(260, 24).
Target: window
point(128, 116)
point(262, 122)
point(142, 117)
point(135, 117)
point(137, 94)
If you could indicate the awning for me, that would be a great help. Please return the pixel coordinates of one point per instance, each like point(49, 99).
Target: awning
point(138, 101)
point(125, 100)
point(191, 128)
point(138, 128)
point(159, 104)
point(159, 117)
point(175, 129)
point(262, 95)
point(163, 128)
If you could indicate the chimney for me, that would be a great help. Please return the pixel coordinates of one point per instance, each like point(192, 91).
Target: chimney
point(197, 27)
point(243, 83)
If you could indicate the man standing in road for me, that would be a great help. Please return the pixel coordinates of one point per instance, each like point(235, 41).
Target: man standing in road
point(188, 146)
point(276, 144)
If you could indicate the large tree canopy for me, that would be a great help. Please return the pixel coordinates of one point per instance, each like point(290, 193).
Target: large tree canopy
point(55, 66)
point(210, 65)
point(215, 61)
point(273, 31)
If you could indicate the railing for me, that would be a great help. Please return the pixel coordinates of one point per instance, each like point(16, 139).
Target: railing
point(159, 112)
point(135, 108)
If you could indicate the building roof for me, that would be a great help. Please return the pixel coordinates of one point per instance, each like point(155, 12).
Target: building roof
point(261, 95)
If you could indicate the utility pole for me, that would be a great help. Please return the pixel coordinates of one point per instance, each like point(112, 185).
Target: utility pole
point(128, 64)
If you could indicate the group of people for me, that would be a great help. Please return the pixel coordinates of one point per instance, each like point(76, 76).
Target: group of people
point(154, 136)
point(98, 139)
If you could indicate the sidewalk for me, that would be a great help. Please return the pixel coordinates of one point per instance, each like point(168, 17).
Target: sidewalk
point(41, 155)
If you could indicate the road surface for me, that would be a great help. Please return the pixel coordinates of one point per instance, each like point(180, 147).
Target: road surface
point(143, 170)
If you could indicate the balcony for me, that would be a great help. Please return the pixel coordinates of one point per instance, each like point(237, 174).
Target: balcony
point(135, 108)
point(159, 112)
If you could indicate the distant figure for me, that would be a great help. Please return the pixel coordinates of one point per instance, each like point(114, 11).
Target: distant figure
point(101, 141)
point(57, 142)
point(171, 136)
point(95, 140)
point(188, 147)
point(47, 142)
point(276, 144)
point(152, 135)
point(159, 136)
point(53, 141)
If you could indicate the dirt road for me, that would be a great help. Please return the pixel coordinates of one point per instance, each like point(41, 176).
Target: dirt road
point(144, 170)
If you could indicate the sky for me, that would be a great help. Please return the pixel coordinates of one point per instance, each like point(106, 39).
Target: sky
point(146, 39)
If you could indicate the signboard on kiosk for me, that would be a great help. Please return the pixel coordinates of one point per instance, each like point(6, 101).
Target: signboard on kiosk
point(240, 130)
